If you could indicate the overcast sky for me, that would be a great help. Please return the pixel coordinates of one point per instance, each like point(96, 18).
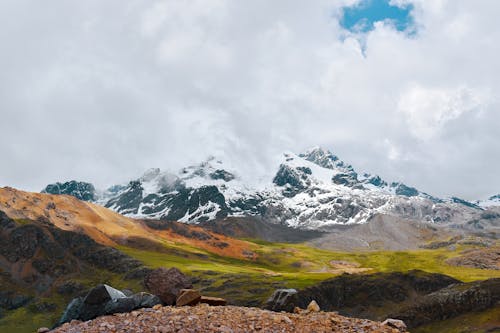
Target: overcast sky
point(102, 90)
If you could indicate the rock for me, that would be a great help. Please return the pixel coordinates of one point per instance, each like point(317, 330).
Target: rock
point(282, 300)
point(449, 302)
point(119, 305)
point(103, 300)
point(188, 297)
point(72, 310)
point(167, 283)
point(395, 323)
point(102, 294)
point(313, 307)
point(43, 330)
point(127, 292)
point(214, 301)
point(145, 300)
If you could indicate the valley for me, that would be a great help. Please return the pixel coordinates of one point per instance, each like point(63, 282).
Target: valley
point(244, 270)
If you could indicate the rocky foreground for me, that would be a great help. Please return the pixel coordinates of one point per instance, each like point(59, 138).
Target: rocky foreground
point(223, 319)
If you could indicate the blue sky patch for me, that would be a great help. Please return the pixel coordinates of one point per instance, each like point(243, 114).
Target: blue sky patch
point(361, 17)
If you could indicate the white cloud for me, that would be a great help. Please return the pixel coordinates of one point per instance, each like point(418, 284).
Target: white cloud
point(102, 91)
point(428, 110)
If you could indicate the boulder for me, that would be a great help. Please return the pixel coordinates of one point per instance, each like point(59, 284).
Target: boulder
point(102, 294)
point(313, 307)
point(282, 300)
point(119, 305)
point(72, 310)
point(213, 301)
point(103, 300)
point(145, 300)
point(395, 323)
point(188, 297)
point(167, 283)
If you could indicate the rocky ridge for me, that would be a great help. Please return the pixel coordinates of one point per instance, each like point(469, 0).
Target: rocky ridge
point(313, 190)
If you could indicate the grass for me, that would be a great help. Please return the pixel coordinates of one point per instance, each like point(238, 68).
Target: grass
point(250, 282)
point(296, 266)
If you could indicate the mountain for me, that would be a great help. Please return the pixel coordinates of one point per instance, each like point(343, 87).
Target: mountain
point(493, 201)
point(80, 190)
point(110, 228)
point(312, 190)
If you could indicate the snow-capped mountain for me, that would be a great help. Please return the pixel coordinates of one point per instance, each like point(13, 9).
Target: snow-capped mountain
point(312, 190)
point(80, 190)
point(493, 201)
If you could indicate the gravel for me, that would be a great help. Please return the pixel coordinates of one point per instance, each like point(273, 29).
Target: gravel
point(222, 319)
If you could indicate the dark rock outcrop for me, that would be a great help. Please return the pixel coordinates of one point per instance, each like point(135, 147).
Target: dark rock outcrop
point(80, 190)
point(282, 300)
point(103, 300)
point(167, 283)
point(358, 295)
point(451, 301)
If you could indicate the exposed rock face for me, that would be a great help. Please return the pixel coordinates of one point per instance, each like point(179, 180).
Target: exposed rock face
point(103, 300)
point(36, 256)
point(167, 283)
point(451, 301)
point(282, 300)
point(347, 292)
point(80, 190)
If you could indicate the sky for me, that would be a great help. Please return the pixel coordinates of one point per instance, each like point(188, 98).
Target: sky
point(100, 91)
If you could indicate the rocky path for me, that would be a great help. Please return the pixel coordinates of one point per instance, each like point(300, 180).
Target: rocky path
point(223, 319)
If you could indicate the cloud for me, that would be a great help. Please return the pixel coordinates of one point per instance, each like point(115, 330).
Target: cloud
point(428, 110)
point(101, 91)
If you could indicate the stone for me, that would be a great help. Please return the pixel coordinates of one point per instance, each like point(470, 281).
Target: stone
point(102, 294)
point(145, 300)
point(72, 311)
point(167, 283)
point(282, 300)
point(119, 305)
point(395, 323)
point(313, 307)
point(43, 330)
point(104, 300)
point(188, 297)
point(214, 301)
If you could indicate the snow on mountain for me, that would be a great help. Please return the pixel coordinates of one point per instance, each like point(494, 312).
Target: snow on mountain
point(493, 201)
point(312, 190)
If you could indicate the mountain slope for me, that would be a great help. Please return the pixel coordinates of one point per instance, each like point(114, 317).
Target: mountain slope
point(109, 228)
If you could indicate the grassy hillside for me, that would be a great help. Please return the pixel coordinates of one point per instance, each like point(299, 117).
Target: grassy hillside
point(250, 282)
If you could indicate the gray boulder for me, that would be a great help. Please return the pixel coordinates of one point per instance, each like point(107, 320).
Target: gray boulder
point(119, 305)
point(145, 300)
point(282, 300)
point(72, 311)
point(104, 300)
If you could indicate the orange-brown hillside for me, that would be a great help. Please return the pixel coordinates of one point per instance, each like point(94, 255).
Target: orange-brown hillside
point(110, 228)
